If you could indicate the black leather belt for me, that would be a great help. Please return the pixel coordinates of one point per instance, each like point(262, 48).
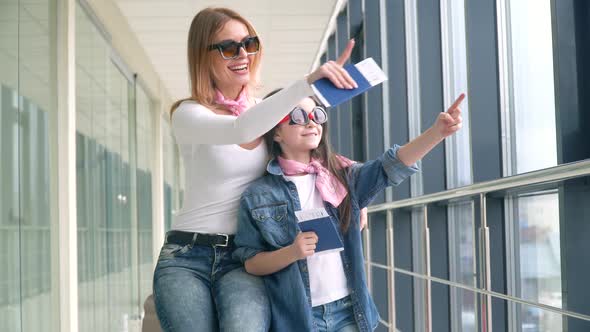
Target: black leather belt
point(202, 239)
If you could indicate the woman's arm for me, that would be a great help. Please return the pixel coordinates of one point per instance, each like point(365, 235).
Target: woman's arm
point(268, 262)
point(194, 124)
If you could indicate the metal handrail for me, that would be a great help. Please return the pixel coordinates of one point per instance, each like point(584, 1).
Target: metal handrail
point(497, 295)
point(548, 175)
point(515, 183)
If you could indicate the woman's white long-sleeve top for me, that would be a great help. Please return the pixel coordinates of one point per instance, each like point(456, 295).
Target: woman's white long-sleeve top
point(217, 169)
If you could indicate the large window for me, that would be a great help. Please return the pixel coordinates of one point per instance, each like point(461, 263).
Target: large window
point(420, 264)
point(531, 96)
point(539, 259)
point(534, 267)
point(462, 265)
point(27, 104)
point(356, 105)
point(525, 241)
point(461, 227)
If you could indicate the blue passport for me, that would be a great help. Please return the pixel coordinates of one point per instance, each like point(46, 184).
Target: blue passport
point(366, 74)
point(328, 238)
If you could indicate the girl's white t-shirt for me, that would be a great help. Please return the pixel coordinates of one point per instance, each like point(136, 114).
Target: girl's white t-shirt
point(327, 280)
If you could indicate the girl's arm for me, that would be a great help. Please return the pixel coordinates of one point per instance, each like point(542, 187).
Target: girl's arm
point(397, 163)
point(268, 262)
point(446, 124)
point(256, 254)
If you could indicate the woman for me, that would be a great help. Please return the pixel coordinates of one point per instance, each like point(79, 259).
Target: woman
point(197, 284)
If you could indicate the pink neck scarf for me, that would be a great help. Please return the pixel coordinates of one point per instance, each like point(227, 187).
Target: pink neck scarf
point(331, 190)
point(237, 106)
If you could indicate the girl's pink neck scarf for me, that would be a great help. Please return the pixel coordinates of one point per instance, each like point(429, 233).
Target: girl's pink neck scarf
point(237, 106)
point(331, 190)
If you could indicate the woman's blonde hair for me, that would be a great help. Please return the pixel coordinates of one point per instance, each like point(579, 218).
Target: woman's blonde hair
point(206, 24)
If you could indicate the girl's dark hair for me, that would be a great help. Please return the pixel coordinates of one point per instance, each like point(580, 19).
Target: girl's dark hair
point(329, 159)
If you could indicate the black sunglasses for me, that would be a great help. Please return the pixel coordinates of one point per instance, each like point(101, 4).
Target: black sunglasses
point(299, 116)
point(230, 49)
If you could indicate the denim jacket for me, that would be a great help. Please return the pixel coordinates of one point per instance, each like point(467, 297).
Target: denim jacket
point(267, 222)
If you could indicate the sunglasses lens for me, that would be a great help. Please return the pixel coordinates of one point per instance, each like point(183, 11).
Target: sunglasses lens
point(299, 116)
point(319, 115)
point(252, 45)
point(230, 50)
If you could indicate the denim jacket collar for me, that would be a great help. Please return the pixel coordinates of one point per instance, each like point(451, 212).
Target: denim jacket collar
point(274, 168)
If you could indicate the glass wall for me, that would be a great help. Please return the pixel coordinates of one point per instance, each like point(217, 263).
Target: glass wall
point(116, 145)
point(145, 142)
point(115, 238)
point(173, 190)
point(108, 284)
point(91, 64)
point(28, 103)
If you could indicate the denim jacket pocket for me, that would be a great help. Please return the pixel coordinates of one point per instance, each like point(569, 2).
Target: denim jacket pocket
point(273, 223)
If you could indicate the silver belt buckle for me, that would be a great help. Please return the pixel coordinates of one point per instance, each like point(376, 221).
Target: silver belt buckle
point(226, 240)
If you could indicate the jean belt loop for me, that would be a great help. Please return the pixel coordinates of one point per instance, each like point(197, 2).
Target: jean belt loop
point(192, 244)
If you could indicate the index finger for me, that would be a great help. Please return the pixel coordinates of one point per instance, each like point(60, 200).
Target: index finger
point(346, 53)
point(309, 234)
point(457, 102)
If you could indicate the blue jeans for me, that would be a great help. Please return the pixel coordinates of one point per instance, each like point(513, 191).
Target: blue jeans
point(201, 288)
point(335, 316)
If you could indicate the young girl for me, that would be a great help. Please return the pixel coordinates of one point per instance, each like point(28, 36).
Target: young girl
point(325, 291)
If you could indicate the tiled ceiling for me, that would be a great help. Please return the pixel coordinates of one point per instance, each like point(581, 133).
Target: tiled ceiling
point(290, 30)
